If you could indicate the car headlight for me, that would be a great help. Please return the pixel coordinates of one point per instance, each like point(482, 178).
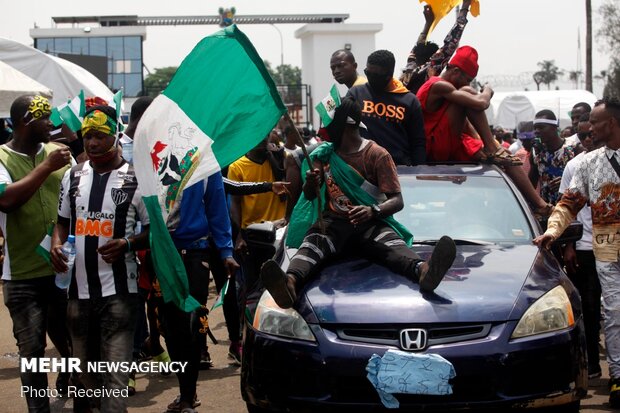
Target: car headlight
point(550, 312)
point(271, 319)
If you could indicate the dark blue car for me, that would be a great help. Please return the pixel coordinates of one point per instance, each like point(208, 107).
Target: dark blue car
point(505, 315)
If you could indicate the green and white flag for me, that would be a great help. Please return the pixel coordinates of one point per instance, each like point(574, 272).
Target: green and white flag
point(220, 104)
point(70, 113)
point(327, 106)
point(118, 105)
point(45, 247)
point(219, 301)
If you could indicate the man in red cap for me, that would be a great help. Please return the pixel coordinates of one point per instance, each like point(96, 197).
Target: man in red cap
point(456, 126)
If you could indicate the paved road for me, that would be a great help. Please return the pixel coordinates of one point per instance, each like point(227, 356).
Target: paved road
point(218, 388)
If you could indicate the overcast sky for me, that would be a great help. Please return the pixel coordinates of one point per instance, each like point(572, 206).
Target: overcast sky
point(511, 36)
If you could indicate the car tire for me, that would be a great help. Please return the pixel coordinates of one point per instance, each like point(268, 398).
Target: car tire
point(567, 408)
point(255, 409)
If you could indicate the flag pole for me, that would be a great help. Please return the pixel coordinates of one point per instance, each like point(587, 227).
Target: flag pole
point(292, 126)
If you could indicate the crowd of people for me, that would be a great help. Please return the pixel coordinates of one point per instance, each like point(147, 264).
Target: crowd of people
point(113, 309)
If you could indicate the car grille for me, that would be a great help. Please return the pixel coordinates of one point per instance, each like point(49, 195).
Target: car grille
point(437, 334)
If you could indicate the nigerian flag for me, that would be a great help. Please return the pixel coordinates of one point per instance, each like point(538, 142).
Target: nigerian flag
point(219, 301)
point(220, 103)
point(70, 113)
point(45, 246)
point(327, 106)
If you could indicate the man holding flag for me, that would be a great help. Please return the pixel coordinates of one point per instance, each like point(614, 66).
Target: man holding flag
point(189, 132)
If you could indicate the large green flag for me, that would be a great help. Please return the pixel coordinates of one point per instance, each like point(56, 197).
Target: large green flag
point(220, 103)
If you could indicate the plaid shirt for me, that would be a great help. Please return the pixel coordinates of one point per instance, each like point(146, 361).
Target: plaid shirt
point(595, 181)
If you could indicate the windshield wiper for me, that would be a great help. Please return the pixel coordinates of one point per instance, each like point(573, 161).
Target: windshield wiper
point(457, 241)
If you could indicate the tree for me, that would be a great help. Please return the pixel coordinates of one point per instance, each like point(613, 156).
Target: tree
point(288, 79)
point(609, 31)
point(284, 74)
point(574, 76)
point(156, 82)
point(548, 72)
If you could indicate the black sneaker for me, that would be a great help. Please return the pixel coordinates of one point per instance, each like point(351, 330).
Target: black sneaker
point(277, 283)
point(438, 265)
point(614, 393)
point(234, 352)
point(205, 360)
point(175, 406)
point(594, 371)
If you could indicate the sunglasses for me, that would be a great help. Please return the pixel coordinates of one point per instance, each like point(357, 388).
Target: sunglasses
point(376, 75)
point(583, 135)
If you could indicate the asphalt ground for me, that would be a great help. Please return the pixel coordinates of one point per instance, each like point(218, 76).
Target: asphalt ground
point(218, 388)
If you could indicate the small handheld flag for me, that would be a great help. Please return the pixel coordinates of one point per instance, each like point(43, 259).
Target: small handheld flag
point(328, 105)
point(70, 113)
point(219, 301)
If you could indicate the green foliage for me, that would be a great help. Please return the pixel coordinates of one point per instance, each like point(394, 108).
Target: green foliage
point(288, 80)
point(609, 32)
point(548, 73)
point(157, 81)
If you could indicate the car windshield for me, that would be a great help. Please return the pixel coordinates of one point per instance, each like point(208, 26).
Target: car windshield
point(476, 208)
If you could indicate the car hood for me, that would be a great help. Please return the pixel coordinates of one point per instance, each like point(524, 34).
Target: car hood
point(483, 285)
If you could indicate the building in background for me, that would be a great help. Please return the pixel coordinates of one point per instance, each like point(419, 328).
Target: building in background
point(110, 47)
point(110, 51)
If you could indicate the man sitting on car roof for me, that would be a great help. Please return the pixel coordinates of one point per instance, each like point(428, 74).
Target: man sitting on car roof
point(359, 183)
point(456, 126)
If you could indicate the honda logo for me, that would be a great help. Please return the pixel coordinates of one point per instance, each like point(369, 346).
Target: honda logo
point(413, 339)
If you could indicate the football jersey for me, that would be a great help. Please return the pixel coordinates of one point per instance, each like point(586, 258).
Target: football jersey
point(101, 207)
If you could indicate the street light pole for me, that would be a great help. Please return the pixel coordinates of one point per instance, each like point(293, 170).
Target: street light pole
point(281, 53)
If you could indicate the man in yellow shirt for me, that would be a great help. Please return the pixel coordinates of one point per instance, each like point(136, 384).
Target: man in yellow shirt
point(258, 165)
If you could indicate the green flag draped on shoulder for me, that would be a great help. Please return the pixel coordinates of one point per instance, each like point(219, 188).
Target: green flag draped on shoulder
point(350, 182)
point(220, 103)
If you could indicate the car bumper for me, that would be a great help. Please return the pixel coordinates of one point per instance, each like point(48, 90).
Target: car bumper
point(493, 372)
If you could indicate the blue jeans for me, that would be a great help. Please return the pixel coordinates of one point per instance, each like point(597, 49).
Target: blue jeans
point(30, 304)
point(102, 329)
point(609, 276)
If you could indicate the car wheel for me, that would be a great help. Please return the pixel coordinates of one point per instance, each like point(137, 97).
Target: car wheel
point(567, 408)
point(255, 409)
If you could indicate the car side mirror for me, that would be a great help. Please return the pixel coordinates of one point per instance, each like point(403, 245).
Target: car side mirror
point(572, 233)
point(261, 235)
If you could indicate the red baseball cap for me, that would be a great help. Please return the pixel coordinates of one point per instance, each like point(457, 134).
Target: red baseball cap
point(466, 59)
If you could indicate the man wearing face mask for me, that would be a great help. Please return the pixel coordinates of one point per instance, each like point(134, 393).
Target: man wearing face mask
point(359, 183)
point(390, 111)
point(100, 204)
point(258, 165)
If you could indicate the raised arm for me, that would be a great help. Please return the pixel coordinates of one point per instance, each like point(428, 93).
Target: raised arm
point(18, 193)
point(429, 16)
point(441, 57)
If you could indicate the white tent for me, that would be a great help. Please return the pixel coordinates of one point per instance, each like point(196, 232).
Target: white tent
point(13, 84)
point(66, 79)
point(510, 108)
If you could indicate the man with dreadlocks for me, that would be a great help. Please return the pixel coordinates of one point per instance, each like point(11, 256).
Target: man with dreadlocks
point(359, 182)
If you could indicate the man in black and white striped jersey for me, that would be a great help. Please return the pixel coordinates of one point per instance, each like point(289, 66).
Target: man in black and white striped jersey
point(100, 204)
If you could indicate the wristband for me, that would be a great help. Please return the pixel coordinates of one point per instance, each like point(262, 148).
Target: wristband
point(128, 244)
